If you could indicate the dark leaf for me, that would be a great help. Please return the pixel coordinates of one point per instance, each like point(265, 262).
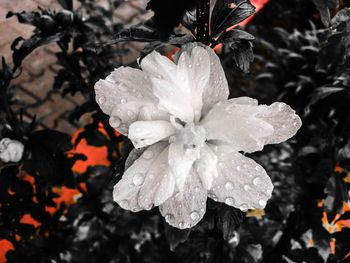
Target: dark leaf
point(45, 156)
point(175, 236)
point(169, 13)
point(26, 46)
point(242, 54)
point(143, 32)
point(227, 13)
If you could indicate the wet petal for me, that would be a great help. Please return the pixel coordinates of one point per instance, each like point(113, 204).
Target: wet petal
point(217, 90)
point(247, 126)
point(144, 133)
point(180, 162)
point(237, 125)
point(133, 156)
point(207, 66)
point(283, 119)
point(173, 96)
point(193, 70)
point(185, 209)
point(241, 182)
point(206, 166)
point(143, 175)
point(123, 94)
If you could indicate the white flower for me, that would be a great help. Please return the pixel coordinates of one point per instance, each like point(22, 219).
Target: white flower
point(190, 136)
point(10, 150)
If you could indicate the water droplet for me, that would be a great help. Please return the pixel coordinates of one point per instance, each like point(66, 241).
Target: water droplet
point(262, 203)
point(194, 215)
point(229, 186)
point(213, 196)
point(238, 168)
point(138, 179)
point(148, 154)
point(229, 201)
point(102, 99)
point(124, 203)
point(196, 189)
point(256, 181)
point(114, 122)
point(181, 225)
point(122, 101)
point(257, 168)
point(243, 207)
point(247, 188)
point(130, 113)
point(169, 217)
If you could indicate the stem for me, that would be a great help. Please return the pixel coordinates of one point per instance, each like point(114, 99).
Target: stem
point(203, 17)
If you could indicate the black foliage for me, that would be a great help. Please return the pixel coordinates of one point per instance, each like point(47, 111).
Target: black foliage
point(296, 61)
point(168, 14)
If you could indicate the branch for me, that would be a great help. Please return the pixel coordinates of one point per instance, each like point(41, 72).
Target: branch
point(203, 16)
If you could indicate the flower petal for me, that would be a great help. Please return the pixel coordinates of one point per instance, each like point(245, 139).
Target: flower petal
point(123, 94)
point(214, 90)
point(185, 209)
point(242, 183)
point(144, 133)
point(283, 119)
point(247, 126)
point(217, 90)
point(193, 71)
point(237, 125)
point(206, 166)
point(143, 175)
point(158, 185)
point(172, 95)
point(181, 161)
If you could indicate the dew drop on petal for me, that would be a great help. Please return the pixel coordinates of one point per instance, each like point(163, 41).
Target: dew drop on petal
point(124, 203)
point(238, 168)
point(243, 207)
point(130, 113)
point(114, 122)
point(102, 99)
point(194, 215)
point(213, 196)
point(247, 187)
point(138, 179)
point(196, 189)
point(257, 168)
point(262, 203)
point(123, 101)
point(229, 200)
point(169, 217)
point(181, 225)
point(229, 186)
point(256, 181)
point(148, 154)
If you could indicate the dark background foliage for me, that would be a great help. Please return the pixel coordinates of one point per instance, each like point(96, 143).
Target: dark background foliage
point(301, 56)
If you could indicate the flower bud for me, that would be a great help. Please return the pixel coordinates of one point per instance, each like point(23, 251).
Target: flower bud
point(11, 150)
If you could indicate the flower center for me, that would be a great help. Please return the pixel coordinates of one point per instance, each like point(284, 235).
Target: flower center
point(190, 135)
